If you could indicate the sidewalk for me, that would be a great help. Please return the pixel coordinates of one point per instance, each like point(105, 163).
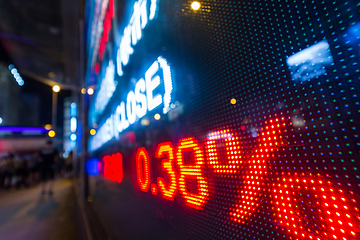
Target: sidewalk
point(26, 215)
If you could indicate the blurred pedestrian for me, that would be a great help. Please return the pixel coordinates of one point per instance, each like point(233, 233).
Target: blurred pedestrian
point(9, 170)
point(48, 157)
point(61, 167)
point(33, 167)
point(69, 165)
point(22, 172)
point(2, 172)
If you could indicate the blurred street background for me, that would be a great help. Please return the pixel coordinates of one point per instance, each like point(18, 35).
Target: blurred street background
point(27, 214)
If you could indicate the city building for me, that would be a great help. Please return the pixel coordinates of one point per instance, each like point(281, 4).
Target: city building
point(9, 97)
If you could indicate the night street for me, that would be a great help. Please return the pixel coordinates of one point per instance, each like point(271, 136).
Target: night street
point(179, 120)
point(26, 214)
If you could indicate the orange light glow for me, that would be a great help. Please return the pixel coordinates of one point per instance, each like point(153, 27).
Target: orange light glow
point(113, 169)
point(56, 88)
point(157, 116)
point(195, 5)
point(143, 169)
point(167, 165)
point(192, 172)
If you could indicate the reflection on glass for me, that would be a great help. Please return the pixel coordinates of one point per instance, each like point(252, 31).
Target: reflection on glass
point(310, 62)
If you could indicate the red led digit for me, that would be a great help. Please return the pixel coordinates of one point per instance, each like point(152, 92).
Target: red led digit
point(167, 165)
point(143, 169)
point(312, 208)
point(195, 200)
point(113, 169)
point(107, 167)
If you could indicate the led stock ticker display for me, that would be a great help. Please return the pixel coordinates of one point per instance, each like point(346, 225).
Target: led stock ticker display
point(288, 194)
point(225, 119)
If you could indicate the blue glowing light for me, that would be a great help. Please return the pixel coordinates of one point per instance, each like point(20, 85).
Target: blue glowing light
point(73, 137)
point(133, 32)
point(107, 88)
point(353, 34)
point(92, 166)
point(73, 124)
point(23, 129)
point(16, 75)
point(73, 110)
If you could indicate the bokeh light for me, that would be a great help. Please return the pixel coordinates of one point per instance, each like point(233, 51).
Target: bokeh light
point(56, 88)
point(195, 5)
point(145, 122)
point(157, 116)
point(51, 133)
point(90, 91)
point(73, 137)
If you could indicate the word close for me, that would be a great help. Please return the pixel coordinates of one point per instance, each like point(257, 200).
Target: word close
point(145, 97)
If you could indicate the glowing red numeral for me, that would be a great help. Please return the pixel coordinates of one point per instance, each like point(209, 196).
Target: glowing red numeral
point(330, 212)
point(167, 165)
point(143, 169)
point(113, 167)
point(192, 172)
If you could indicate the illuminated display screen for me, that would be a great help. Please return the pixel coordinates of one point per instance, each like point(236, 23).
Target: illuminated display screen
point(225, 119)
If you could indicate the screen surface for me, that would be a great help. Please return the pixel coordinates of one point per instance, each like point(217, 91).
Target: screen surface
point(226, 119)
